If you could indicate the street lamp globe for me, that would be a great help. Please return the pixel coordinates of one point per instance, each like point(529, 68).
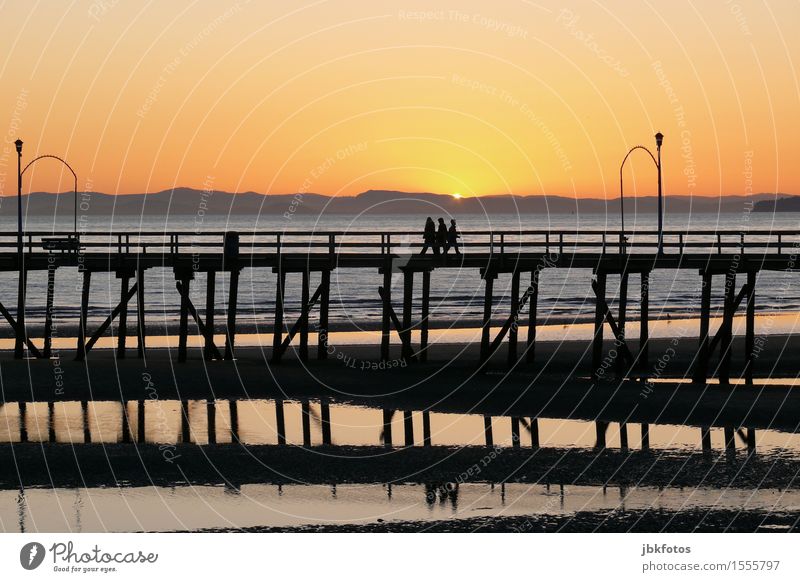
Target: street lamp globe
point(659, 139)
point(18, 143)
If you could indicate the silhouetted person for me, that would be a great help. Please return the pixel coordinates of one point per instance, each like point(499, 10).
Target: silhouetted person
point(429, 237)
point(441, 236)
point(452, 237)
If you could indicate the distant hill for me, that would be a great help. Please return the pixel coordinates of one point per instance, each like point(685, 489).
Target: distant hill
point(785, 204)
point(187, 201)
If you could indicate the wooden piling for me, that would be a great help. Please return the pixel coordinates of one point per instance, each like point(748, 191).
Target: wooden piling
point(426, 428)
point(623, 436)
point(644, 323)
point(487, 431)
point(751, 439)
point(48, 310)
point(387, 427)
point(621, 320)
point(140, 314)
point(730, 438)
point(122, 325)
point(424, 323)
point(140, 422)
point(306, 419)
point(21, 334)
point(211, 288)
point(234, 417)
point(599, 318)
point(325, 414)
point(87, 433)
point(488, 278)
point(645, 436)
point(408, 426)
point(408, 298)
point(23, 422)
point(515, 437)
point(84, 315)
point(701, 369)
point(277, 328)
point(126, 425)
point(324, 309)
point(749, 343)
point(304, 308)
point(186, 436)
point(534, 425)
point(386, 321)
point(211, 421)
point(601, 428)
point(705, 438)
point(513, 331)
point(233, 295)
point(533, 300)
point(727, 329)
point(51, 421)
point(183, 328)
point(280, 421)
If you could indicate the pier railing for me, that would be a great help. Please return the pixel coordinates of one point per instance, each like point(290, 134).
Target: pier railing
point(404, 242)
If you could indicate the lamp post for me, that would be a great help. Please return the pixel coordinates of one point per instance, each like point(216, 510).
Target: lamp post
point(659, 140)
point(657, 162)
point(19, 335)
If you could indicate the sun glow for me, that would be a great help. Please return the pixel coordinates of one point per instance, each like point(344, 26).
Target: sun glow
point(457, 195)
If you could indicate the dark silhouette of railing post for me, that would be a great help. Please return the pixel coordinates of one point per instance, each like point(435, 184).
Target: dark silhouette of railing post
point(140, 313)
point(231, 258)
point(208, 340)
point(701, 368)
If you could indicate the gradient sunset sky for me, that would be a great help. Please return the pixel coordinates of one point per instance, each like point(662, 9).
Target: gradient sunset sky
point(339, 97)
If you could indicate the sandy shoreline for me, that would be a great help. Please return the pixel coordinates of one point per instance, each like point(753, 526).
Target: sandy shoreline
point(707, 520)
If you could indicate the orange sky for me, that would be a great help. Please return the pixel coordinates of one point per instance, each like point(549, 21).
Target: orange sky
point(528, 97)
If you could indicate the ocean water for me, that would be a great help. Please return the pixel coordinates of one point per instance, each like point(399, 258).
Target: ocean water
point(456, 295)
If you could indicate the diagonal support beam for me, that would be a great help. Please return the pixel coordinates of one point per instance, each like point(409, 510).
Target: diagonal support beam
point(201, 327)
point(727, 322)
point(297, 324)
point(509, 322)
point(618, 334)
point(105, 325)
point(405, 338)
point(10, 318)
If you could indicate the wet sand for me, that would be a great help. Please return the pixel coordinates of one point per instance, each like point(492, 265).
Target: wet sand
point(88, 465)
point(613, 521)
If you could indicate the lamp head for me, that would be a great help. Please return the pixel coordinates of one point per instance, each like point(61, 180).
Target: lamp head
point(18, 143)
point(659, 139)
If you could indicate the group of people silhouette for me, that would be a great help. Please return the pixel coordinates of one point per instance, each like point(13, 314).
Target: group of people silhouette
point(440, 238)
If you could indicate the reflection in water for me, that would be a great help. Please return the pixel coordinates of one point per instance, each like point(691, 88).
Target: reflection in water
point(314, 423)
point(192, 508)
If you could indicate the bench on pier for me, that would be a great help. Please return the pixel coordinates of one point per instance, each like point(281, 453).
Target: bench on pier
point(69, 244)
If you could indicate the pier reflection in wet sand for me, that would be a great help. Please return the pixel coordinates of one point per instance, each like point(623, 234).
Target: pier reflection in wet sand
point(314, 423)
point(205, 507)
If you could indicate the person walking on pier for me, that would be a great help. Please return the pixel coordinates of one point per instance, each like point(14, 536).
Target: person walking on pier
point(452, 237)
point(429, 237)
point(441, 236)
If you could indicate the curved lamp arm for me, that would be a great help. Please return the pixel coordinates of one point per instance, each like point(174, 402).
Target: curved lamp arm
point(621, 191)
point(74, 176)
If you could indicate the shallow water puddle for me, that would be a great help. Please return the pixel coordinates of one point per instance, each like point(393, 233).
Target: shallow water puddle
point(256, 423)
point(192, 508)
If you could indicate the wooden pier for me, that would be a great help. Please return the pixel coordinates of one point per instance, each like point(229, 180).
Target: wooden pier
point(720, 259)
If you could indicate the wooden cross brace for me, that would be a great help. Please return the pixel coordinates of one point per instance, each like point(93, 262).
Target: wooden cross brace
point(405, 334)
point(201, 326)
point(306, 310)
point(620, 339)
point(32, 348)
